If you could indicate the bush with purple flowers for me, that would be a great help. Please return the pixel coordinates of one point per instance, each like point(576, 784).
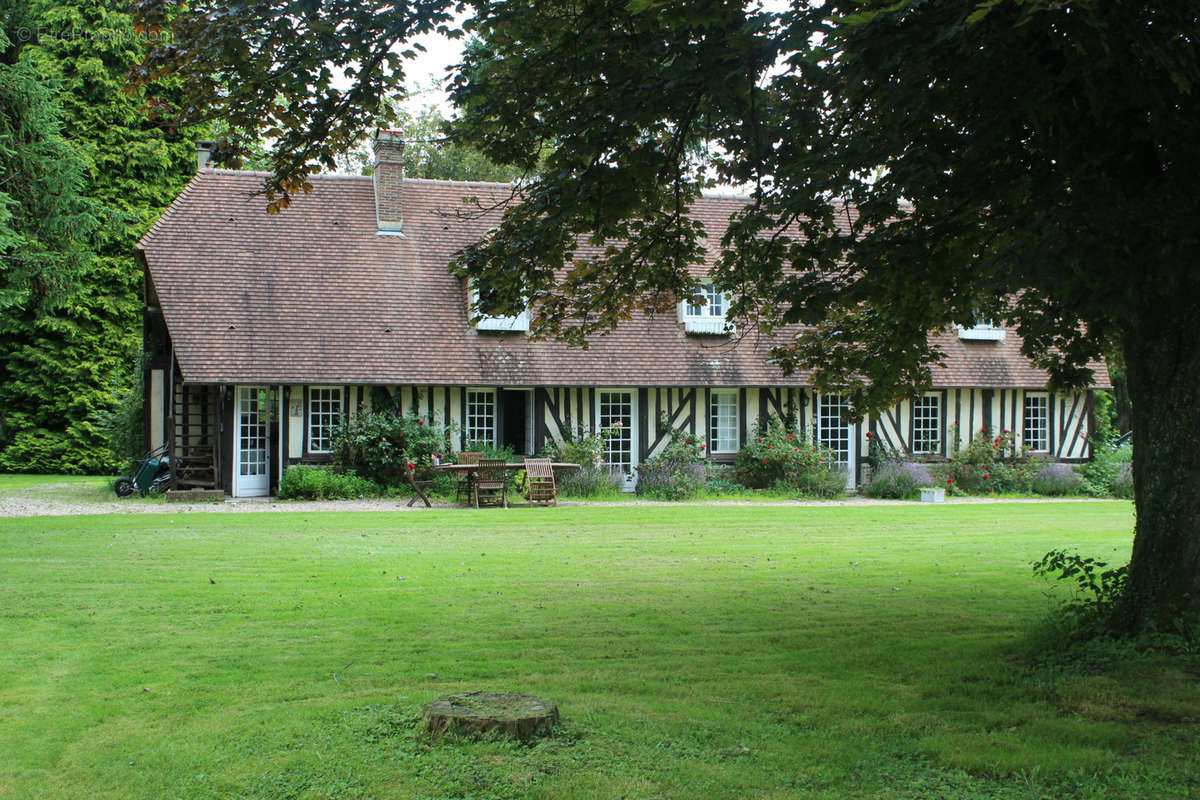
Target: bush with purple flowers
point(898, 480)
point(1056, 479)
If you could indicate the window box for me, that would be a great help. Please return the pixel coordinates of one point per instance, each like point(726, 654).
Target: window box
point(984, 332)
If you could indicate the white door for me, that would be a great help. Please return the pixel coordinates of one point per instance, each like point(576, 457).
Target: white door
point(835, 433)
point(616, 411)
point(251, 445)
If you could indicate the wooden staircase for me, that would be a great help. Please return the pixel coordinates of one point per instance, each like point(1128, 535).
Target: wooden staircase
point(195, 440)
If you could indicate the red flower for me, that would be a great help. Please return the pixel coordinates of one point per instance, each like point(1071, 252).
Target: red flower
point(996, 443)
point(617, 424)
point(949, 480)
point(791, 436)
point(411, 466)
point(761, 439)
point(420, 422)
point(821, 460)
point(985, 475)
point(869, 434)
point(764, 461)
point(955, 422)
point(768, 447)
point(797, 449)
point(703, 446)
point(989, 488)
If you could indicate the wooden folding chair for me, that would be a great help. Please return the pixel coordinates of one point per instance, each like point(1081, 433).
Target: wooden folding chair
point(539, 476)
point(465, 491)
point(490, 483)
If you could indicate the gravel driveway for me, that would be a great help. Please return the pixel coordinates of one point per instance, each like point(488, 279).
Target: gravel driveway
point(73, 499)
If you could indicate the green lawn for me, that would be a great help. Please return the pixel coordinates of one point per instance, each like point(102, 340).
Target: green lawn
point(695, 652)
point(49, 482)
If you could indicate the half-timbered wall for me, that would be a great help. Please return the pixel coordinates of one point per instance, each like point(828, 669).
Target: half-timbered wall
point(968, 413)
point(566, 410)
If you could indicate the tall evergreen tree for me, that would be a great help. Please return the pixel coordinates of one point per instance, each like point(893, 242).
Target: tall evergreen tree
point(65, 366)
point(45, 224)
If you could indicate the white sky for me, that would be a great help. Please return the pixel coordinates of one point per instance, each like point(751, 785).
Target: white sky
point(425, 75)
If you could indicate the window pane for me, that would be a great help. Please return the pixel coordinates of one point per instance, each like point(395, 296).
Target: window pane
point(481, 417)
point(1037, 423)
point(616, 413)
point(832, 431)
point(927, 425)
point(723, 422)
point(324, 413)
point(714, 305)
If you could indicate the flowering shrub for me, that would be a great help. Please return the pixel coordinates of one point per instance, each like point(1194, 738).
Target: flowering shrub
point(898, 480)
point(988, 464)
point(1057, 479)
point(824, 481)
point(775, 456)
point(769, 457)
point(676, 473)
point(593, 480)
point(380, 446)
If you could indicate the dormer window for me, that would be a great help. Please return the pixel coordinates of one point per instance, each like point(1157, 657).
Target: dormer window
point(520, 322)
point(704, 311)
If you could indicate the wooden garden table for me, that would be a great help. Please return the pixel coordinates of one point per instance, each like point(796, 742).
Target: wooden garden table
point(459, 469)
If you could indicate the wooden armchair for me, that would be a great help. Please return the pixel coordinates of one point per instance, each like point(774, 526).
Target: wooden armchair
point(490, 486)
point(539, 476)
point(465, 491)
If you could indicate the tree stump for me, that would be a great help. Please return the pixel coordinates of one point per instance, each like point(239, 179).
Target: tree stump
point(520, 715)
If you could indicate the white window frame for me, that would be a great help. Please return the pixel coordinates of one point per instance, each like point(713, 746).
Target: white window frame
point(709, 317)
point(1043, 418)
point(520, 322)
point(472, 431)
point(921, 403)
point(323, 420)
point(716, 443)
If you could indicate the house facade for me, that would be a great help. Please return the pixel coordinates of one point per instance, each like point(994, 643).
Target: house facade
point(263, 332)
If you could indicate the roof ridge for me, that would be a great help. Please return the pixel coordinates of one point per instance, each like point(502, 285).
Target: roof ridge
point(259, 173)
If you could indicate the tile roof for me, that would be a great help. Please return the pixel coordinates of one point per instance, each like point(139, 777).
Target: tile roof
point(314, 295)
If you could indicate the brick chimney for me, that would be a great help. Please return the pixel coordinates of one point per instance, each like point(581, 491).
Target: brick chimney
point(389, 181)
point(204, 151)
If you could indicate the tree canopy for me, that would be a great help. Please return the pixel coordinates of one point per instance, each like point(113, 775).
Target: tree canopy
point(908, 166)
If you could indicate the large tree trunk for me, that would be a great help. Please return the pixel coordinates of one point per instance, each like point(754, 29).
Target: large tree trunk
point(1162, 354)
